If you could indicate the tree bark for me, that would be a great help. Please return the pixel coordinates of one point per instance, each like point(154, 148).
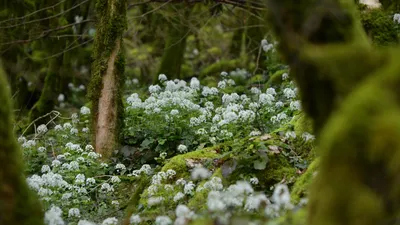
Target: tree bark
point(107, 80)
point(350, 90)
point(175, 44)
point(18, 205)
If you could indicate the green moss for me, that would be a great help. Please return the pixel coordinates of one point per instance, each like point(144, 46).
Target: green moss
point(110, 29)
point(302, 184)
point(133, 203)
point(318, 92)
point(292, 218)
point(178, 163)
point(358, 173)
point(223, 65)
point(276, 78)
point(18, 205)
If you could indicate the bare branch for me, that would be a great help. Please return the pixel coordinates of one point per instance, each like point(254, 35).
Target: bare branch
point(42, 19)
point(44, 33)
point(33, 13)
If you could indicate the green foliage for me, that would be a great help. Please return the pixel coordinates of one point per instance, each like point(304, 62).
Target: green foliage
point(380, 27)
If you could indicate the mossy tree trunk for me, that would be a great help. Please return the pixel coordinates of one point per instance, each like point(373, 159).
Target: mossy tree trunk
point(18, 204)
point(107, 80)
point(355, 108)
point(175, 44)
point(318, 24)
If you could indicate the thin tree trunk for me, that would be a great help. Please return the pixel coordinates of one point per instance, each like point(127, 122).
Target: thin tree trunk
point(18, 204)
point(175, 45)
point(107, 80)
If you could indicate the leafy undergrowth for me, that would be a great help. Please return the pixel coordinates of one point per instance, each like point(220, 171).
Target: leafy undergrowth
point(191, 154)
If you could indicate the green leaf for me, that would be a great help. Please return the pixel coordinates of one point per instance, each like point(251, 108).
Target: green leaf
point(260, 164)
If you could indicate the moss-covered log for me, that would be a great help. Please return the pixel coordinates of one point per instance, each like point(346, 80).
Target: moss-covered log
point(107, 74)
point(17, 204)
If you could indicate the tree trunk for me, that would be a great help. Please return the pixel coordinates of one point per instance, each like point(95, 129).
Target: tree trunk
point(51, 89)
point(107, 80)
point(18, 204)
point(350, 90)
point(175, 44)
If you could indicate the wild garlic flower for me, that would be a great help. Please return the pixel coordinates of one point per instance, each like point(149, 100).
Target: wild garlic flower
point(42, 129)
point(110, 221)
point(163, 220)
point(135, 219)
point(200, 173)
point(54, 216)
point(85, 110)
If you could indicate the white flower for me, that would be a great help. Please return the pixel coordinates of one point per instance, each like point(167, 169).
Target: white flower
point(115, 179)
point(281, 196)
point(289, 93)
point(195, 83)
point(74, 212)
point(253, 202)
point(189, 187)
point(41, 149)
point(182, 148)
point(55, 163)
point(163, 220)
point(214, 201)
point(61, 98)
point(115, 202)
point(85, 130)
point(85, 110)
point(200, 173)
point(290, 135)
point(224, 74)
point(271, 91)
point(178, 196)
point(254, 180)
point(110, 221)
point(42, 129)
point(255, 91)
point(66, 196)
point(154, 200)
point(154, 89)
point(120, 166)
point(295, 105)
point(90, 181)
point(80, 179)
point(45, 169)
point(162, 77)
point(135, 219)
point(222, 84)
point(285, 76)
point(58, 127)
point(183, 211)
point(67, 126)
point(266, 99)
point(85, 222)
point(255, 133)
point(21, 139)
point(73, 131)
point(307, 137)
point(29, 144)
point(54, 216)
point(89, 148)
point(104, 165)
point(174, 112)
point(107, 187)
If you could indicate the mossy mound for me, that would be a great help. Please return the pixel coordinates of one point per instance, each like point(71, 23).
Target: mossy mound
point(267, 158)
